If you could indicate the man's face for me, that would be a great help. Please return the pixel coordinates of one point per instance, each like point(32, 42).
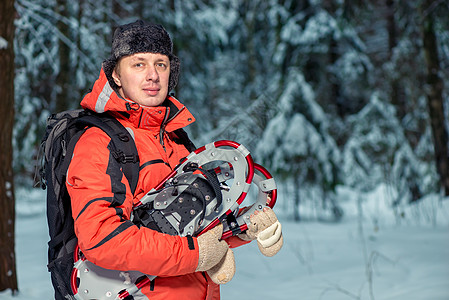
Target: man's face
point(143, 78)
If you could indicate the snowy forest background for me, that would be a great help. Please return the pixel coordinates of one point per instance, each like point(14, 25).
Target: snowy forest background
point(345, 102)
point(323, 93)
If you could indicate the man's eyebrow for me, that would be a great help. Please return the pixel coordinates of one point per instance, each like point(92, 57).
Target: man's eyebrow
point(138, 58)
point(165, 59)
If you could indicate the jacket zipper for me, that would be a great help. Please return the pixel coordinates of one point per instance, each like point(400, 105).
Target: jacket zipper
point(162, 130)
point(165, 122)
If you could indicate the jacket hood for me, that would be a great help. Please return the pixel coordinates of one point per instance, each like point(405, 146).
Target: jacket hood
point(172, 114)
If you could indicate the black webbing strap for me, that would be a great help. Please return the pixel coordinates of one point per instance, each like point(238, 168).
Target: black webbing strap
point(211, 177)
point(125, 151)
point(233, 224)
point(183, 138)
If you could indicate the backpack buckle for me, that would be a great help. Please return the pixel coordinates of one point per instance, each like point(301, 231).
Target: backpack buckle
point(122, 158)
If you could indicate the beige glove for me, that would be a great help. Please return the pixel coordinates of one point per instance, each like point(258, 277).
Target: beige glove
point(223, 272)
point(211, 249)
point(265, 227)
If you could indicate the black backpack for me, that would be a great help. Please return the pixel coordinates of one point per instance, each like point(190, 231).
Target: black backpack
point(63, 131)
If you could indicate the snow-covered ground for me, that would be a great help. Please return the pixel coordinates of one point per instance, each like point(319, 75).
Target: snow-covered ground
point(375, 258)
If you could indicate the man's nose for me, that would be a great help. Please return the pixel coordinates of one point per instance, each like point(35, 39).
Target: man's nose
point(152, 74)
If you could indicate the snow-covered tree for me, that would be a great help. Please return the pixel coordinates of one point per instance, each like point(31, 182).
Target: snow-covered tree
point(297, 145)
point(59, 50)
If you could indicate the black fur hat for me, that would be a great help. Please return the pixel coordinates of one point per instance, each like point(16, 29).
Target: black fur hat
point(138, 37)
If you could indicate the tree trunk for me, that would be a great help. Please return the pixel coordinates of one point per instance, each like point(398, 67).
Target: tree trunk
point(434, 91)
point(65, 75)
point(297, 199)
point(397, 97)
point(8, 275)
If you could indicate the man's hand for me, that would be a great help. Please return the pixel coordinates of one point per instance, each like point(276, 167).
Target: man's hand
point(215, 257)
point(211, 248)
point(265, 227)
point(223, 272)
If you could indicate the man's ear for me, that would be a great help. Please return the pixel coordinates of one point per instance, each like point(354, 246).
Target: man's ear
point(116, 78)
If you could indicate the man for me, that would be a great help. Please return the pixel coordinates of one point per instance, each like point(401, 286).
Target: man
point(133, 87)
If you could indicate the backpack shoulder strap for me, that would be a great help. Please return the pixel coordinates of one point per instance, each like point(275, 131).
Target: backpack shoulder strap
point(181, 137)
point(124, 148)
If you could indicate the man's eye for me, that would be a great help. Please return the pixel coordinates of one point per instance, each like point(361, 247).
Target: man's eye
point(138, 65)
point(161, 65)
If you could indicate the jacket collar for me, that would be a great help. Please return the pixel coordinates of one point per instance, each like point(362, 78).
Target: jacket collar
point(171, 115)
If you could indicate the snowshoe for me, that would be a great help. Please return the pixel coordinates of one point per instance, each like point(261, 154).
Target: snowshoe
point(207, 188)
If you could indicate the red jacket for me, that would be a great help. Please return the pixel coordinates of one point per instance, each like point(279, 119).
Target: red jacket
point(102, 202)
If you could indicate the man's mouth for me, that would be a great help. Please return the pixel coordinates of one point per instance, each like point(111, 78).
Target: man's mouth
point(151, 91)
